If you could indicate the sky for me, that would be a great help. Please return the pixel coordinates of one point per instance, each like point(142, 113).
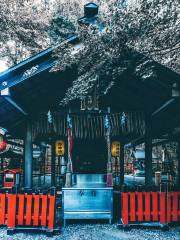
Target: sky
point(3, 66)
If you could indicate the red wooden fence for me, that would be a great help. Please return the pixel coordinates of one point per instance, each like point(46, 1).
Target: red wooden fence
point(150, 207)
point(36, 210)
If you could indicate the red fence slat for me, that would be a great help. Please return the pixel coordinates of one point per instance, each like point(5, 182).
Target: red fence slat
point(36, 210)
point(132, 207)
point(155, 210)
point(169, 210)
point(162, 208)
point(28, 209)
point(175, 206)
point(11, 214)
point(2, 208)
point(147, 211)
point(125, 209)
point(20, 216)
point(44, 211)
point(51, 212)
point(140, 206)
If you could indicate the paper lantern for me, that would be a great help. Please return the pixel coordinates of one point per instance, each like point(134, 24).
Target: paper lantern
point(60, 148)
point(115, 149)
point(3, 143)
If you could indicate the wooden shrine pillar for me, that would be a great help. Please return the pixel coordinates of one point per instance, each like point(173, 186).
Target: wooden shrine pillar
point(178, 168)
point(53, 163)
point(148, 150)
point(121, 164)
point(28, 156)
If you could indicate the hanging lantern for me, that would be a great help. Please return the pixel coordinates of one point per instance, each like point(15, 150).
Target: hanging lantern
point(3, 143)
point(115, 149)
point(60, 148)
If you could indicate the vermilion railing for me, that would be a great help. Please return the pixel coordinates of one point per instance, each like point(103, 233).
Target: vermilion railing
point(25, 210)
point(150, 207)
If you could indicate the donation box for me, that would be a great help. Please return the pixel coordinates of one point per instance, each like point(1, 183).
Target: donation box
point(12, 177)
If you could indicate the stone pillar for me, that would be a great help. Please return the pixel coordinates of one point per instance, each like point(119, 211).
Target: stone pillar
point(28, 156)
point(148, 151)
point(121, 164)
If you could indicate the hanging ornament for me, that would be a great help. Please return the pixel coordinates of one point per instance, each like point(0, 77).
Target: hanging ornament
point(69, 163)
point(106, 122)
point(69, 133)
point(123, 119)
point(107, 127)
point(49, 117)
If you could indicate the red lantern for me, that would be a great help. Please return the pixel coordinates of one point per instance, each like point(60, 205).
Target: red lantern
point(3, 143)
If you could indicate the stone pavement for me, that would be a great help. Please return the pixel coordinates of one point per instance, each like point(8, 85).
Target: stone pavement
point(99, 232)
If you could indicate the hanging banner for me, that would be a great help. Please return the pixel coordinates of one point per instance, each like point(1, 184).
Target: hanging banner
point(69, 132)
point(108, 129)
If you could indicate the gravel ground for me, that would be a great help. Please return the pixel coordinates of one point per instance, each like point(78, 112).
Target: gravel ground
point(99, 232)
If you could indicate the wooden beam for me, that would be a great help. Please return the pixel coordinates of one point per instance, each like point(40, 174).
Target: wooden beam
point(6, 94)
point(163, 107)
point(148, 151)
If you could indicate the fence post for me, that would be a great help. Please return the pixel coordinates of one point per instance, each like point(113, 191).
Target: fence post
point(51, 215)
point(155, 210)
point(11, 214)
point(28, 208)
point(132, 206)
point(147, 206)
point(21, 209)
point(140, 206)
point(175, 206)
point(44, 210)
point(2, 208)
point(125, 208)
point(36, 209)
point(162, 208)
